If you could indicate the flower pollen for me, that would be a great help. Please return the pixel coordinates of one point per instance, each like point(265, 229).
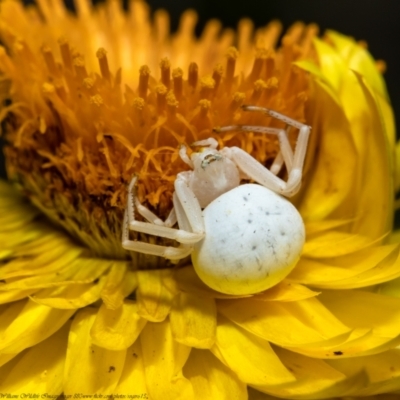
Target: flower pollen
point(76, 143)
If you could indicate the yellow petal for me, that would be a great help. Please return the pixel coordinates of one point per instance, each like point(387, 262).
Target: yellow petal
point(358, 59)
point(154, 299)
point(358, 309)
point(286, 291)
point(40, 368)
point(383, 371)
point(70, 296)
point(117, 329)
point(46, 257)
point(17, 240)
point(211, 379)
point(252, 359)
point(315, 379)
point(193, 320)
point(15, 214)
point(386, 109)
point(188, 281)
point(317, 227)
point(285, 323)
point(329, 182)
point(336, 244)
point(386, 270)
point(331, 64)
point(4, 254)
point(119, 284)
point(79, 271)
point(360, 342)
point(391, 288)
point(5, 359)
point(163, 359)
point(362, 268)
point(89, 369)
point(322, 81)
point(397, 167)
point(375, 193)
point(14, 295)
point(25, 323)
point(132, 381)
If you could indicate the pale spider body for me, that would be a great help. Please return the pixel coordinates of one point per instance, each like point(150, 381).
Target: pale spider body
point(243, 239)
point(213, 174)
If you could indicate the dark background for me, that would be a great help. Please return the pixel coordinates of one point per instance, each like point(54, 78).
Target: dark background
point(376, 22)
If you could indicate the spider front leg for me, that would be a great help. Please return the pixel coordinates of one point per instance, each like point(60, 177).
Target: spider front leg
point(155, 227)
point(294, 161)
point(295, 174)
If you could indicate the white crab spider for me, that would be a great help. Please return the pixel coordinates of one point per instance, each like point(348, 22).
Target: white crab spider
point(243, 239)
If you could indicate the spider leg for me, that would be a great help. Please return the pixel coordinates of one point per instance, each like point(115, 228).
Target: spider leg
point(152, 218)
point(256, 171)
point(156, 227)
point(301, 145)
point(187, 207)
point(277, 164)
point(294, 160)
point(169, 252)
point(210, 142)
point(184, 156)
point(286, 150)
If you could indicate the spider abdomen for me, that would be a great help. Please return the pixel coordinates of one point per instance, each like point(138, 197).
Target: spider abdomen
point(254, 238)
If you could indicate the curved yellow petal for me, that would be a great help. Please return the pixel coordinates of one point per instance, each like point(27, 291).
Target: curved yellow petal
point(117, 329)
point(330, 62)
point(14, 241)
point(44, 256)
point(375, 189)
point(316, 227)
point(329, 182)
point(119, 284)
point(153, 297)
point(285, 323)
point(397, 167)
point(332, 244)
point(193, 320)
point(286, 291)
point(359, 309)
point(89, 369)
point(386, 109)
point(14, 295)
point(383, 371)
point(79, 271)
point(360, 269)
point(70, 296)
point(385, 271)
point(251, 358)
point(132, 381)
point(358, 59)
point(363, 124)
point(163, 359)
point(25, 323)
point(8, 359)
point(39, 371)
point(315, 379)
point(322, 81)
point(211, 379)
point(360, 342)
point(188, 281)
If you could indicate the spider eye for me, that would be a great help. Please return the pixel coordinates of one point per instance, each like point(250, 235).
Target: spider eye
point(209, 158)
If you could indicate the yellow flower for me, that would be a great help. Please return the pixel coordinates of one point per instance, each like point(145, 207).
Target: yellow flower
point(89, 101)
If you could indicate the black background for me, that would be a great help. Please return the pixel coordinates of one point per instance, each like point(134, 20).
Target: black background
point(376, 22)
